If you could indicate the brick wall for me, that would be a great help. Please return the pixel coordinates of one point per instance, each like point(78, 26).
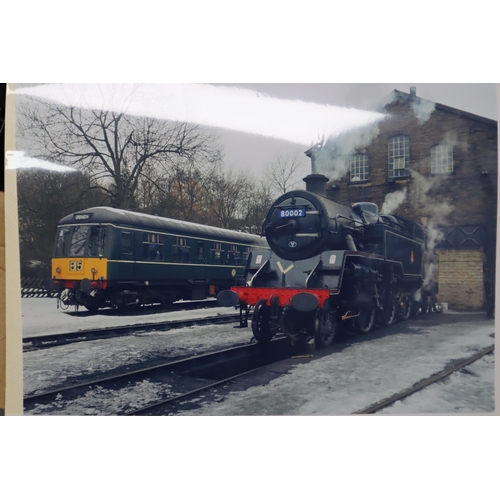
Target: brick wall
point(468, 195)
point(460, 278)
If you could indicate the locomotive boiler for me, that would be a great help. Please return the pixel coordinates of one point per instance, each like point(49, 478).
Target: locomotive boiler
point(329, 266)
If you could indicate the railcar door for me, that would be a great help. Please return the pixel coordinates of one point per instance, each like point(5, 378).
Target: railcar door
point(125, 268)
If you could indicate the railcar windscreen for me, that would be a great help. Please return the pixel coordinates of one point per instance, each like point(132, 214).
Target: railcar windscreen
point(80, 241)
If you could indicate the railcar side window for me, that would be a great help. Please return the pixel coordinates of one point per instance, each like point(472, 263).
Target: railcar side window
point(181, 250)
point(152, 246)
point(97, 241)
point(217, 254)
point(233, 256)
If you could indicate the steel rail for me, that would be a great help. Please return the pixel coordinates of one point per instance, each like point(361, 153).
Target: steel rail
point(174, 399)
point(183, 367)
point(423, 383)
point(34, 343)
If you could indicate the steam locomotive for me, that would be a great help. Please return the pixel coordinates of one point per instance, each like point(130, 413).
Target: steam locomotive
point(330, 266)
point(106, 257)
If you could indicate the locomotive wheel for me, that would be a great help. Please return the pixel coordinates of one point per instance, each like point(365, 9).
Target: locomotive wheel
point(261, 327)
point(366, 319)
point(324, 328)
point(388, 316)
point(406, 307)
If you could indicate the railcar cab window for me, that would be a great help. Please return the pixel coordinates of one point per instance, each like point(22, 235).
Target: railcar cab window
point(152, 246)
point(180, 250)
point(442, 159)
point(63, 242)
point(359, 168)
point(399, 156)
point(80, 241)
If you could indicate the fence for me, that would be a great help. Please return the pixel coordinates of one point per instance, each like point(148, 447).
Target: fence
point(34, 287)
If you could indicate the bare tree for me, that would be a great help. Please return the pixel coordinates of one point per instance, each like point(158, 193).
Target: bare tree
point(114, 148)
point(256, 207)
point(283, 173)
point(44, 197)
point(228, 196)
point(180, 192)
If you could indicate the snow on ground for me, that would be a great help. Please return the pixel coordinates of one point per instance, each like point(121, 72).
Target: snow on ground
point(54, 367)
point(341, 383)
point(40, 316)
point(368, 372)
point(469, 390)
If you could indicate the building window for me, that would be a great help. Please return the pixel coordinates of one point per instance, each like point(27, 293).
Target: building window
point(399, 156)
point(441, 159)
point(359, 168)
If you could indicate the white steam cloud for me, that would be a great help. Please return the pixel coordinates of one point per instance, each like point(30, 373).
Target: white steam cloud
point(422, 109)
point(216, 106)
point(334, 159)
point(437, 211)
point(393, 201)
point(17, 159)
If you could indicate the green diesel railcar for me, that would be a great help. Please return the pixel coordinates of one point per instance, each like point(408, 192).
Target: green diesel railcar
point(110, 257)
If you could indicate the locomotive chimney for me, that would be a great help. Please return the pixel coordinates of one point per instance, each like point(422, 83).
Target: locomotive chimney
point(413, 91)
point(316, 183)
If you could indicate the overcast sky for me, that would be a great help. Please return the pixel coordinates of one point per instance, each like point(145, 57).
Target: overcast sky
point(252, 153)
point(252, 120)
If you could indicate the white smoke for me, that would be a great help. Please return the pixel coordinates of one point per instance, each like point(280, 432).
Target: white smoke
point(393, 201)
point(422, 108)
point(436, 211)
point(335, 156)
point(17, 159)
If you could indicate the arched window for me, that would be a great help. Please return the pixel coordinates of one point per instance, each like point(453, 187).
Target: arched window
point(399, 156)
point(442, 159)
point(359, 168)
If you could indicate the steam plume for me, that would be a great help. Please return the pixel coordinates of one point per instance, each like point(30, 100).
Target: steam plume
point(393, 201)
point(217, 106)
point(17, 159)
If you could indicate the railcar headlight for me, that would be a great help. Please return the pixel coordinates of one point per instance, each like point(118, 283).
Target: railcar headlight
point(58, 269)
point(93, 270)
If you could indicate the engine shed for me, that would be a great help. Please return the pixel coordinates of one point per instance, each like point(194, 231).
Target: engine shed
point(436, 165)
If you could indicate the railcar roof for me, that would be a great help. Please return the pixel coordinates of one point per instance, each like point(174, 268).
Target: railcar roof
point(109, 215)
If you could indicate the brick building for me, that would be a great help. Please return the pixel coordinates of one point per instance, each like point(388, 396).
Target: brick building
point(436, 165)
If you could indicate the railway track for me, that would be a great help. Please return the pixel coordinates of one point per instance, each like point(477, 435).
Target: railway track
point(51, 340)
point(189, 376)
point(422, 384)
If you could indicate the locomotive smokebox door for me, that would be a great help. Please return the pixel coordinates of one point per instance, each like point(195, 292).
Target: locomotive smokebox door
point(304, 302)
